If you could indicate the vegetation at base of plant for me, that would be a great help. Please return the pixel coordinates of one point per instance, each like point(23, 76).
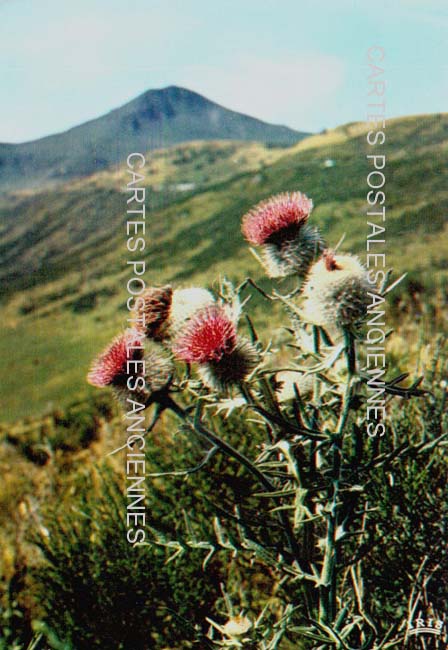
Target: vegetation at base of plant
point(96, 590)
point(408, 517)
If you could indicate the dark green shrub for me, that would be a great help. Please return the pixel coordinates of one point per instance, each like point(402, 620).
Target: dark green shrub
point(98, 591)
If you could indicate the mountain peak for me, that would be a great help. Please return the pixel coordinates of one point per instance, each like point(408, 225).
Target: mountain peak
point(156, 119)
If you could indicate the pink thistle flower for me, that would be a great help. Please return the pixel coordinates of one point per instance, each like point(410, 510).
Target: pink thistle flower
point(286, 212)
point(110, 367)
point(208, 336)
point(152, 312)
point(157, 371)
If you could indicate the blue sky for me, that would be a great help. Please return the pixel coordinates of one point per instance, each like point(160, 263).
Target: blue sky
point(296, 62)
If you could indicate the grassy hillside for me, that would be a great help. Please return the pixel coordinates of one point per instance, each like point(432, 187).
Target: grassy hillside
point(64, 272)
point(39, 229)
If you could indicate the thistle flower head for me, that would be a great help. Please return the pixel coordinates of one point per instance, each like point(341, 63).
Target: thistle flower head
point(161, 311)
point(293, 256)
point(279, 226)
point(109, 368)
point(152, 312)
point(186, 302)
point(336, 291)
point(207, 336)
point(131, 371)
point(278, 217)
point(143, 384)
point(232, 368)
point(159, 370)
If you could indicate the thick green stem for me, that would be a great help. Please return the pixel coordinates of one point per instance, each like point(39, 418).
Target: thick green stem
point(350, 352)
point(316, 389)
point(327, 594)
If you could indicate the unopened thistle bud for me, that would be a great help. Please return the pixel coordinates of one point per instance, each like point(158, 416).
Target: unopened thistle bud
point(151, 314)
point(336, 291)
point(279, 226)
point(130, 371)
point(210, 340)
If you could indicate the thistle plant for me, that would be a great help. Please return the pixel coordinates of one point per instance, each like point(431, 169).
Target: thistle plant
point(279, 226)
point(315, 474)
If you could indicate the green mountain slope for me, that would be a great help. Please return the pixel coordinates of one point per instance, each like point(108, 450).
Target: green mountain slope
point(45, 229)
point(59, 313)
